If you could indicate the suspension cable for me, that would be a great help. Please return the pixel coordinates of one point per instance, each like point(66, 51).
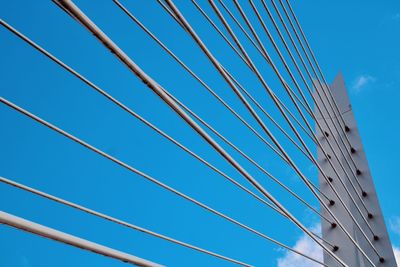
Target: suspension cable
point(216, 64)
point(50, 233)
point(153, 85)
point(319, 126)
point(339, 161)
point(115, 220)
point(136, 171)
point(153, 127)
point(259, 76)
point(336, 107)
point(244, 61)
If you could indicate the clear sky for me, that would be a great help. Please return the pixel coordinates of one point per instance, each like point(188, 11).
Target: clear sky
point(358, 38)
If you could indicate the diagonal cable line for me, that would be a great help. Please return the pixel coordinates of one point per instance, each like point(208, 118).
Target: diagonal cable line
point(291, 55)
point(239, 85)
point(339, 161)
point(136, 171)
point(313, 57)
point(50, 233)
point(262, 53)
point(236, 40)
point(369, 215)
point(315, 162)
point(334, 107)
point(207, 87)
point(258, 105)
point(317, 123)
point(327, 178)
point(276, 180)
point(261, 124)
point(195, 76)
point(255, 101)
point(153, 127)
point(134, 114)
point(318, 107)
point(150, 125)
point(247, 64)
point(154, 86)
point(317, 79)
point(208, 19)
point(244, 60)
point(268, 89)
point(115, 220)
point(330, 133)
point(217, 66)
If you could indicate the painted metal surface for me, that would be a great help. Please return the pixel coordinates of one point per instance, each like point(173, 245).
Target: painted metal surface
point(347, 251)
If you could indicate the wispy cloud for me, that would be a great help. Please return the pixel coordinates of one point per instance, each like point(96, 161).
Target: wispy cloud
point(311, 248)
point(362, 81)
point(395, 224)
point(396, 251)
point(308, 246)
point(396, 16)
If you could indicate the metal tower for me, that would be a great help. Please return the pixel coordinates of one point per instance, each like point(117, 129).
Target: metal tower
point(360, 186)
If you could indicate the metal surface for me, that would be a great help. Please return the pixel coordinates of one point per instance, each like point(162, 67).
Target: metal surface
point(114, 220)
point(347, 251)
point(22, 224)
point(149, 178)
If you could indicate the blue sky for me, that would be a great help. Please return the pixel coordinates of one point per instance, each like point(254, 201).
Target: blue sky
point(358, 38)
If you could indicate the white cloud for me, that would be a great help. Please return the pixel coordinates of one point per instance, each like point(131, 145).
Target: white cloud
point(395, 225)
point(362, 81)
point(306, 245)
point(396, 251)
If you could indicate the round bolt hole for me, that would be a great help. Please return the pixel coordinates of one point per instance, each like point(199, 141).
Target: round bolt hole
point(335, 248)
point(333, 225)
point(376, 238)
point(370, 216)
point(346, 128)
point(330, 179)
point(358, 172)
point(382, 260)
point(331, 202)
point(352, 150)
point(364, 194)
